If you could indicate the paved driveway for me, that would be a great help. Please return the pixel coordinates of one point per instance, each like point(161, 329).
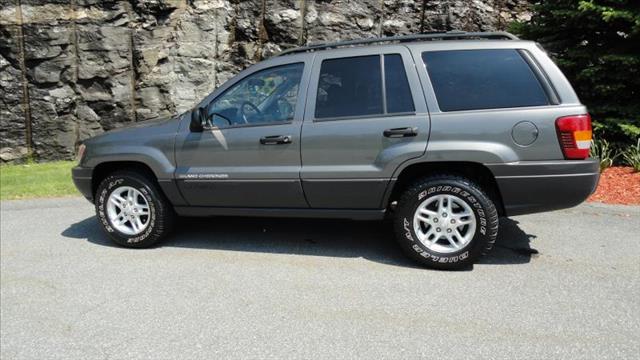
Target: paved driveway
point(559, 285)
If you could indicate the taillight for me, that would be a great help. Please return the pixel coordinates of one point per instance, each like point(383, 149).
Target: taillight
point(574, 133)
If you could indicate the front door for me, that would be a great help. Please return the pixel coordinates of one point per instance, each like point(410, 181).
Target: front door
point(249, 156)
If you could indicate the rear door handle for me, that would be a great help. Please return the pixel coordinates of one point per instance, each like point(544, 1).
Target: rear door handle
point(401, 132)
point(275, 140)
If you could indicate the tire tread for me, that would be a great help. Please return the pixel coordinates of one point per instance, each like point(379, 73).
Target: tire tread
point(165, 216)
point(491, 212)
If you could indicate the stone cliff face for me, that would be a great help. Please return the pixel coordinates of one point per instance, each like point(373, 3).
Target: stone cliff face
point(70, 69)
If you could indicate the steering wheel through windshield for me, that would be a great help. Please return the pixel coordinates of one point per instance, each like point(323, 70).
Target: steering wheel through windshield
point(243, 114)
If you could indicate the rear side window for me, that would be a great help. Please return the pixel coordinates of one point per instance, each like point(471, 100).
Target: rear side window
point(398, 93)
point(350, 87)
point(482, 79)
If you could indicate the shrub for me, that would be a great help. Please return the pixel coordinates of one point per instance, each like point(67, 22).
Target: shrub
point(596, 43)
point(602, 150)
point(631, 156)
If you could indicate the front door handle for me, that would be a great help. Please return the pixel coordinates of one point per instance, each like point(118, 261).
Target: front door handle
point(401, 132)
point(275, 140)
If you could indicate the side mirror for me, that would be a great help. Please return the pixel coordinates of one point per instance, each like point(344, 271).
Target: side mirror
point(198, 119)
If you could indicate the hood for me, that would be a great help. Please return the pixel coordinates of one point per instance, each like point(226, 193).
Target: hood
point(142, 124)
point(139, 130)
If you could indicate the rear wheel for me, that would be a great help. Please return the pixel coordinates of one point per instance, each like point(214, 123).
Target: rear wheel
point(445, 222)
point(132, 210)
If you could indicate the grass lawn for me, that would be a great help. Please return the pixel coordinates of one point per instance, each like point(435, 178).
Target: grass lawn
point(37, 180)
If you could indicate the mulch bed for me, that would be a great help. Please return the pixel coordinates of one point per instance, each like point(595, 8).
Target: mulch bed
point(618, 185)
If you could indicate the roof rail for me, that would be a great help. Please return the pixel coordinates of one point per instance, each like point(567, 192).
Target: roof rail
point(449, 35)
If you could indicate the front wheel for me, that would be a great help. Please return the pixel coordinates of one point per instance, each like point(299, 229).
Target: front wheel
point(445, 222)
point(132, 210)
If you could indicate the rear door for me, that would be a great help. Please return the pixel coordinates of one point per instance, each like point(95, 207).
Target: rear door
point(365, 115)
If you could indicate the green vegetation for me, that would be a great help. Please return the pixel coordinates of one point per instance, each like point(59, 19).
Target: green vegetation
point(596, 43)
point(608, 155)
point(36, 180)
point(602, 150)
point(632, 156)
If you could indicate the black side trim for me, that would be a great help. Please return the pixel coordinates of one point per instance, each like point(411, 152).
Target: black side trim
point(540, 168)
point(171, 191)
point(344, 193)
point(82, 180)
point(250, 193)
point(527, 195)
point(537, 186)
point(377, 214)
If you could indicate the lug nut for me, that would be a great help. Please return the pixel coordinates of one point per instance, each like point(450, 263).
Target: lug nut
point(453, 221)
point(448, 230)
point(438, 229)
point(444, 214)
point(435, 219)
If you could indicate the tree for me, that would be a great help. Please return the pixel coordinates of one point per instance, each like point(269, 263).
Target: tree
point(596, 43)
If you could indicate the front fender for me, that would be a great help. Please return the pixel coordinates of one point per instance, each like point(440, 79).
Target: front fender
point(151, 144)
point(156, 159)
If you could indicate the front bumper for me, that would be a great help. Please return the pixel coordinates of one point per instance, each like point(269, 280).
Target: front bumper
point(82, 180)
point(535, 186)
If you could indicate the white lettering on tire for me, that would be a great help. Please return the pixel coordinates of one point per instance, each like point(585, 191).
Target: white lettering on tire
point(460, 192)
point(102, 198)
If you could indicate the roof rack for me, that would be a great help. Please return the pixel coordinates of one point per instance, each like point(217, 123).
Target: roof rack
point(449, 35)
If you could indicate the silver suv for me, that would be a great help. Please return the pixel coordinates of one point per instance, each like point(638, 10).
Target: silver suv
point(442, 132)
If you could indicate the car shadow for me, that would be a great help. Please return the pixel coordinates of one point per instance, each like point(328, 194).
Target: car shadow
point(513, 245)
point(312, 237)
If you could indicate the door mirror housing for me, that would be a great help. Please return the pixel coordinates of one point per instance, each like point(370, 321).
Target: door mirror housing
point(198, 119)
point(201, 121)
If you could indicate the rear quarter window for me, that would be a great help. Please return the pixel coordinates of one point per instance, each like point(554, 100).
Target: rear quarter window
point(483, 79)
point(397, 88)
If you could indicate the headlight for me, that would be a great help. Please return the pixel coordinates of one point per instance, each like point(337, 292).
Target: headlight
point(80, 154)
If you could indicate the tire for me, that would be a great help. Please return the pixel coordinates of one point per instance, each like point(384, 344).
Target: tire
point(451, 241)
point(157, 219)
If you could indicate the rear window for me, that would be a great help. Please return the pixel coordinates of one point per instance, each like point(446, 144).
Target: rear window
point(482, 79)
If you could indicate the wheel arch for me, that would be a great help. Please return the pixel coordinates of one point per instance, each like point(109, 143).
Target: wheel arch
point(474, 171)
point(102, 170)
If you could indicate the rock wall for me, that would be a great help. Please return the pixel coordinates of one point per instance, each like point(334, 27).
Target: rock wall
point(70, 69)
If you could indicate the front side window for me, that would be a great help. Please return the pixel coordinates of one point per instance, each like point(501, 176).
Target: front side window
point(349, 87)
point(267, 96)
point(482, 79)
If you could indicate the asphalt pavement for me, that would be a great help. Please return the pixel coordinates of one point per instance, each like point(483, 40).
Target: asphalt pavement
point(561, 285)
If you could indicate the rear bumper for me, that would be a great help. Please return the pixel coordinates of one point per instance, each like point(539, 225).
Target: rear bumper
point(536, 186)
point(82, 180)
